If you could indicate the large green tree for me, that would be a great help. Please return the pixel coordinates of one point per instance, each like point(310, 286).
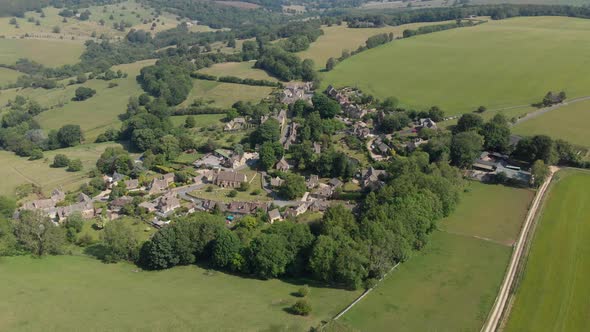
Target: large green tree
point(465, 147)
point(38, 235)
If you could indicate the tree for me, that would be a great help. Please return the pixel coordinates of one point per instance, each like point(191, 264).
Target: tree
point(303, 291)
point(114, 160)
point(496, 133)
point(120, 240)
point(436, 114)
point(60, 160)
point(83, 93)
point(226, 251)
point(301, 307)
point(293, 186)
point(268, 255)
point(190, 122)
point(75, 165)
point(307, 70)
point(38, 235)
point(537, 147)
point(7, 206)
point(70, 135)
point(270, 152)
point(539, 172)
point(8, 242)
point(330, 64)
point(56, 29)
point(81, 78)
point(270, 130)
point(465, 147)
point(327, 107)
point(467, 122)
point(169, 147)
point(36, 154)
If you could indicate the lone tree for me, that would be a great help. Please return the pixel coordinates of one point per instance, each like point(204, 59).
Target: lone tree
point(330, 64)
point(60, 160)
point(83, 93)
point(301, 307)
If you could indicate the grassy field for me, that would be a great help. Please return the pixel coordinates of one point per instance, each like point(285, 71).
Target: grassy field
point(225, 94)
point(569, 123)
point(8, 76)
point(451, 285)
point(79, 293)
point(203, 120)
point(16, 170)
point(338, 38)
point(238, 69)
point(221, 194)
point(100, 112)
point(554, 294)
point(55, 52)
point(496, 64)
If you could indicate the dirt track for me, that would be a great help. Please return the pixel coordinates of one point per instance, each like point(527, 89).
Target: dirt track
point(491, 325)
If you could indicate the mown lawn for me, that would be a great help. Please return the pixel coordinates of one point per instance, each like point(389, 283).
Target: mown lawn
point(16, 170)
point(568, 122)
point(68, 293)
point(452, 284)
point(496, 64)
point(554, 293)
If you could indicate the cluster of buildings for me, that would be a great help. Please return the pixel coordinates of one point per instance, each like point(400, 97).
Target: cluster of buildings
point(349, 108)
point(293, 92)
point(226, 159)
point(492, 163)
point(57, 211)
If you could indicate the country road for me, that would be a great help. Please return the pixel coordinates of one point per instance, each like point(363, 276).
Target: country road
point(491, 325)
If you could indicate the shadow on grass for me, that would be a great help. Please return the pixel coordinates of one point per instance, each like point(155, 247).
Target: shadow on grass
point(97, 250)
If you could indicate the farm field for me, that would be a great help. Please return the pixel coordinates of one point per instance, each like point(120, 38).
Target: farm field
point(100, 112)
point(569, 122)
point(55, 52)
point(203, 120)
point(338, 38)
point(452, 284)
point(500, 70)
point(83, 293)
point(17, 170)
point(8, 76)
point(553, 292)
point(238, 69)
point(225, 94)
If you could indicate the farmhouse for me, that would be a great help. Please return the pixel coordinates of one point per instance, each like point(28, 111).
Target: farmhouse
point(313, 181)
point(274, 215)
point(282, 165)
point(276, 181)
point(236, 124)
point(230, 179)
point(372, 178)
point(168, 203)
point(297, 91)
point(132, 184)
point(157, 186)
point(426, 123)
point(323, 191)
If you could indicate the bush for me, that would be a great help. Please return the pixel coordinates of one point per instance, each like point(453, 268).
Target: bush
point(36, 154)
point(60, 160)
point(301, 307)
point(83, 93)
point(244, 186)
point(303, 291)
point(232, 193)
point(75, 165)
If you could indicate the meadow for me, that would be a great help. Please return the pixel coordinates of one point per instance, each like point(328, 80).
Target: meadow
point(452, 284)
point(225, 94)
point(16, 170)
point(238, 69)
point(55, 52)
point(80, 293)
point(338, 38)
point(553, 292)
point(569, 122)
point(100, 112)
point(8, 76)
point(496, 64)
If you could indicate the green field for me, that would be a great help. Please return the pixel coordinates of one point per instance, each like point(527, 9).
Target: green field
point(554, 294)
point(568, 122)
point(225, 94)
point(452, 284)
point(79, 293)
point(54, 52)
point(237, 69)
point(8, 76)
point(100, 112)
point(338, 38)
point(496, 64)
point(203, 120)
point(16, 170)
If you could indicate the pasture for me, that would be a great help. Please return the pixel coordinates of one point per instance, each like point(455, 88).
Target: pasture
point(496, 64)
point(237, 69)
point(100, 112)
point(569, 122)
point(338, 38)
point(225, 94)
point(8, 76)
point(17, 170)
point(452, 284)
point(553, 292)
point(80, 293)
point(55, 52)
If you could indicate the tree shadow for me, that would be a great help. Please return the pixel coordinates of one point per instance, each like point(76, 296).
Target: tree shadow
point(97, 250)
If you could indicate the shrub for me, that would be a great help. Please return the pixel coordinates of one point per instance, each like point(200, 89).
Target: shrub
point(75, 165)
point(60, 160)
point(83, 93)
point(303, 291)
point(301, 307)
point(232, 193)
point(36, 154)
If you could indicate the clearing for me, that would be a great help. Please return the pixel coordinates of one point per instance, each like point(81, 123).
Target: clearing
point(569, 122)
point(500, 70)
point(452, 284)
point(18, 170)
point(80, 293)
point(225, 94)
point(553, 293)
point(238, 69)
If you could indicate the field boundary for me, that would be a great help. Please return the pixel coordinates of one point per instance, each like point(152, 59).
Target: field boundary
point(497, 312)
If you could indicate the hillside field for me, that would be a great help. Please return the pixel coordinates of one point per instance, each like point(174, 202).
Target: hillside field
point(497, 64)
point(8, 76)
point(16, 170)
point(80, 293)
point(569, 122)
point(55, 52)
point(553, 294)
point(225, 94)
point(338, 38)
point(238, 69)
point(452, 284)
